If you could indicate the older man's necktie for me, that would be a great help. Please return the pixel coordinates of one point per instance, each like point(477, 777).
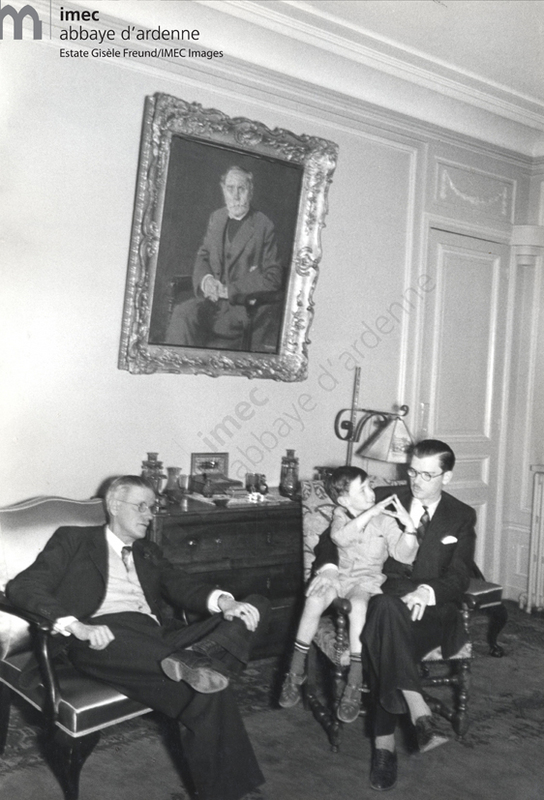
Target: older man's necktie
point(423, 524)
point(125, 555)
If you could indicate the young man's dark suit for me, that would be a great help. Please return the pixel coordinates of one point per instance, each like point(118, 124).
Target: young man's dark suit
point(69, 578)
point(446, 566)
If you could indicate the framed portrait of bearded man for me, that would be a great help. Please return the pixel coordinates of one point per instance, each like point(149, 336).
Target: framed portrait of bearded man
point(225, 245)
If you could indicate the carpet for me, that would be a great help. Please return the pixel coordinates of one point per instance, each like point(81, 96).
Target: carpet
point(500, 758)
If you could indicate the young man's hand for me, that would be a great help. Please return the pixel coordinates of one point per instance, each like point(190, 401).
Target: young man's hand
point(417, 601)
point(323, 582)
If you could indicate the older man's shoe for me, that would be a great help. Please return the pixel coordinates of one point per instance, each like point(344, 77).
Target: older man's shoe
point(427, 736)
point(383, 770)
point(201, 672)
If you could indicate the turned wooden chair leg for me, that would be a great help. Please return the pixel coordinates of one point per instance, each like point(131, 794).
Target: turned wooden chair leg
point(68, 756)
point(5, 707)
point(460, 721)
point(498, 617)
point(321, 712)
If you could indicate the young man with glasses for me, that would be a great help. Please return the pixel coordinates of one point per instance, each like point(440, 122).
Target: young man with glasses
point(418, 609)
point(104, 588)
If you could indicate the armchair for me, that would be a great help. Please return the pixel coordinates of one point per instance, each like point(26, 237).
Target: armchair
point(331, 642)
point(75, 708)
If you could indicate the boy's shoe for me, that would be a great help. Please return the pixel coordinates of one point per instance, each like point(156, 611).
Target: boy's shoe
point(290, 691)
point(350, 704)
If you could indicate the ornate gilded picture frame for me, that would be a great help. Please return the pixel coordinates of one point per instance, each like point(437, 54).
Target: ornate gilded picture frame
point(225, 245)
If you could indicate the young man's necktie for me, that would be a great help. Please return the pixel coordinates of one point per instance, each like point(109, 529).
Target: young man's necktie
point(423, 524)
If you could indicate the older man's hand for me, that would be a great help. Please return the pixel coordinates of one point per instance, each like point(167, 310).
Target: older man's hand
point(213, 289)
point(98, 636)
point(232, 608)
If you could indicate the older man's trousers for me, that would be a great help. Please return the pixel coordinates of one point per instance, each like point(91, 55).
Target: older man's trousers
point(215, 743)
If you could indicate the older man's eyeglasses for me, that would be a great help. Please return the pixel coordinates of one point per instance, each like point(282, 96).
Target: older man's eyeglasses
point(425, 476)
point(141, 507)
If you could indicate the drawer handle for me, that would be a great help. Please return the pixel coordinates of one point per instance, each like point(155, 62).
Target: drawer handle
point(219, 540)
point(192, 542)
point(268, 582)
point(269, 538)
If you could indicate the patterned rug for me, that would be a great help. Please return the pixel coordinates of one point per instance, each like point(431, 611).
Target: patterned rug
point(23, 748)
point(506, 699)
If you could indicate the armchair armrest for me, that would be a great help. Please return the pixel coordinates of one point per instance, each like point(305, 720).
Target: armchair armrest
point(253, 300)
point(8, 608)
point(42, 628)
point(482, 594)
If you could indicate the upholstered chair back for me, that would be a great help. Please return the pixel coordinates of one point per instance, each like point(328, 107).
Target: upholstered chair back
point(25, 528)
point(317, 508)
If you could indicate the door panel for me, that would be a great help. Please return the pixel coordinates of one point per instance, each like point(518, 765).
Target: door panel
point(464, 327)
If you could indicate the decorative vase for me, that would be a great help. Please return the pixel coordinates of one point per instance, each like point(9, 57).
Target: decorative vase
point(289, 475)
point(172, 483)
point(152, 471)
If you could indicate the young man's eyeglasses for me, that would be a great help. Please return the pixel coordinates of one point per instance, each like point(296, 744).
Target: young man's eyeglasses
point(426, 476)
point(142, 507)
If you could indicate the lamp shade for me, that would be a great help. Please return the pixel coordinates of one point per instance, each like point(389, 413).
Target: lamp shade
point(390, 443)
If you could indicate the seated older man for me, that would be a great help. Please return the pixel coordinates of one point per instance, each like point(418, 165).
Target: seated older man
point(104, 588)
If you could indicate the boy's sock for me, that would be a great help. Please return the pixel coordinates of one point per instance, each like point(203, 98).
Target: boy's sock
point(298, 662)
point(355, 674)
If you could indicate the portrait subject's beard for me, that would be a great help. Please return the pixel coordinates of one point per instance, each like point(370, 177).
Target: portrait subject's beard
point(237, 210)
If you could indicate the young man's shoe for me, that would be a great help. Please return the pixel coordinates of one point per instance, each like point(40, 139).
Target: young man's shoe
point(383, 770)
point(203, 674)
point(427, 736)
point(290, 691)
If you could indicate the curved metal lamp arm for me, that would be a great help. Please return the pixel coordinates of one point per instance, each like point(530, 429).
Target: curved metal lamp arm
point(353, 432)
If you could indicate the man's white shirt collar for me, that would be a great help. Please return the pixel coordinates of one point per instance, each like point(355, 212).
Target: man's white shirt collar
point(114, 541)
point(416, 508)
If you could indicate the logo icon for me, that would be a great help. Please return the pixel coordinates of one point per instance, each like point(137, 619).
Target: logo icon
point(18, 17)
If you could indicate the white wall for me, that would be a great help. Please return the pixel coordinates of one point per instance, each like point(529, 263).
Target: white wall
point(69, 141)
point(69, 148)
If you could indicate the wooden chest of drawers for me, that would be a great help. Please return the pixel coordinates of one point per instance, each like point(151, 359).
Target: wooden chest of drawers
point(247, 549)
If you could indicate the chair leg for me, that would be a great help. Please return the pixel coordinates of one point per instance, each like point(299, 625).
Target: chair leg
point(68, 756)
point(460, 720)
point(456, 714)
point(5, 707)
point(498, 617)
point(323, 715)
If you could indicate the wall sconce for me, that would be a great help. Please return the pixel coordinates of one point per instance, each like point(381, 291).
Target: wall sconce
point(385, 436)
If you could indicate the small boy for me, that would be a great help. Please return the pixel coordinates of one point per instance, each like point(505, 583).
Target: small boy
point(365, 534)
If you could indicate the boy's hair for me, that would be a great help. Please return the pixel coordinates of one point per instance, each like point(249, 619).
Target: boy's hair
point(434, 447)
point(341, 479)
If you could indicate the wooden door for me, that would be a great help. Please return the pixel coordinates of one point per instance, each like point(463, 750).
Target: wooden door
point(463, 345)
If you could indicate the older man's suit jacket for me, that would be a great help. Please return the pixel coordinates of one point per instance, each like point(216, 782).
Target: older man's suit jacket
point(246, 265)
point(69, 578)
